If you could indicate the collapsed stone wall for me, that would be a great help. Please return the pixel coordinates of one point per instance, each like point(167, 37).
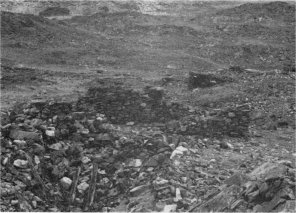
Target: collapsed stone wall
point(123, 106)
point(233, 122)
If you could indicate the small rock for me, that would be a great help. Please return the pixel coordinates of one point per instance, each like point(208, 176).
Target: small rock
point(172, 66)
point(84, 179)
point(27, 176)
point(5, 161)
point(53, 209)
point(102, 172)
point(212, 160)
point(38, 199)
point(173, 189)
point(142, 176)
point(103, 137)
point(159, 206)
point(149, 169)
point(101, 117)
point(155, 93)
point(180, 150)
point(20, 184)
point(54, 119)
point(177, 163)
point(160, 181)
point(25, 206)
point(56, 146)
point(286, 163)
point(34, 204)
point(143, 105)
point(183, 128)
point(130, 123)
point(184, 179)
point(20, 143)
point(152, 162)
point(66, 182)
point(82, 187)
point(289, 206)
point(38, 149)
point(183, 144)
point(78, 115)
point(24, 135)
point(85, 160)
point(231, 115)
point(135, 163)
point(50, 132)
point(84, 131)
point(36, 159)
point(226, 145)
point(173, 146)
point(36, 122)
point(178, 195)
point(254, 142)
point(115, 152)
point(170, 208)
point(14, 202)
point(105, 180)
point(20, 163)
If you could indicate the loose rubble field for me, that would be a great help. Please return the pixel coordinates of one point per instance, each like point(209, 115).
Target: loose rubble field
point(133, 122)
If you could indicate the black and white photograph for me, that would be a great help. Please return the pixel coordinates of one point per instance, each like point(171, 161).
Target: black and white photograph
point(147, 106)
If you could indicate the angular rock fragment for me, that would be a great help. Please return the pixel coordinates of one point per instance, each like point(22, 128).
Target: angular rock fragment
point(82, 187)
point(20, 143)
point(180, 150)
point(16, 134)
point(170, 208)
point(66, 182)
point(56, 146)
point(135, 163)
point(226, 145)
point(50, 132)
point(266, 188)
point(20, 163)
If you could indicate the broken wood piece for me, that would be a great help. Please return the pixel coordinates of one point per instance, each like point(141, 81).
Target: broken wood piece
point(37, 176)
point(74, 186)
point(92, 188)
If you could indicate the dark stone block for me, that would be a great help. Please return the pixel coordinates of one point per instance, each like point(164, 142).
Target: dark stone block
point(199, 80)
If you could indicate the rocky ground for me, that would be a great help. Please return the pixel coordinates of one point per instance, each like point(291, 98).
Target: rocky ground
point(117, 149)
point(129, 111)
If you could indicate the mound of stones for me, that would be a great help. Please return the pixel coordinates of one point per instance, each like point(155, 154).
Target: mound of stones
point(232, 121)
point(55, 158)
point(95, 155)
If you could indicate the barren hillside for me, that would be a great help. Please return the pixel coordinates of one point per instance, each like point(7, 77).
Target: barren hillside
point(147, 106)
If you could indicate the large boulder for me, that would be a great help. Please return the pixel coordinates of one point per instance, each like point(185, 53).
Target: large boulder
point(270, 187)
